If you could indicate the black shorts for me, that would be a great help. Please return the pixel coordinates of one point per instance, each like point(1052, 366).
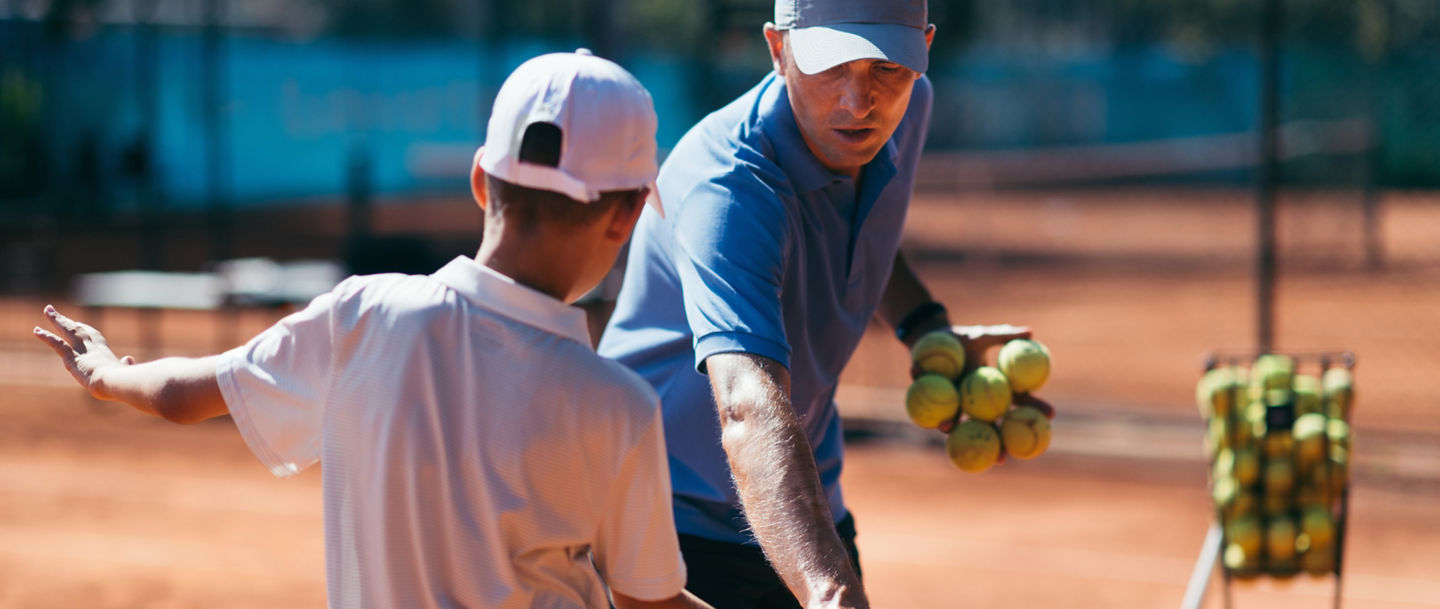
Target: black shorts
point(737, 576)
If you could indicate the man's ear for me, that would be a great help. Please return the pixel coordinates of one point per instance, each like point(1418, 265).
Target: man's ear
point(775, 39)
point(477, 179)
point(929, 35)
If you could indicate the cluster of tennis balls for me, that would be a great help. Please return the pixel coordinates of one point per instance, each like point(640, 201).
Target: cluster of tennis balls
point(984, 395)
point(1279, 444)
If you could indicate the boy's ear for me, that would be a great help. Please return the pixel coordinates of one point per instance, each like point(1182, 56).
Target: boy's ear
point(477, 179)
point(624, 217)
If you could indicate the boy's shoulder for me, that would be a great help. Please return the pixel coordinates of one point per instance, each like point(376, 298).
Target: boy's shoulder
point(623, 385)
point(392, 291)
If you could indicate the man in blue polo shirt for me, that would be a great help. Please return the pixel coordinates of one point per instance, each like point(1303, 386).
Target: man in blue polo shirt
point(778, 245)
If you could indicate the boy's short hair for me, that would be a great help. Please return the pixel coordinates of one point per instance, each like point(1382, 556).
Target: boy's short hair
point(530, 207)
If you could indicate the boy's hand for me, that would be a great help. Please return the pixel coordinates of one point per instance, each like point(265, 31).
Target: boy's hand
point(83, 350)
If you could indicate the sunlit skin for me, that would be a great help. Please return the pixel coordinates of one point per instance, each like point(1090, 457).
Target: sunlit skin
point(846, 113)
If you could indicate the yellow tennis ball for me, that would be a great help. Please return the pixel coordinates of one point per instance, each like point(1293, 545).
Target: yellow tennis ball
point(931, 400)
point(1338, 385)
point(1026, 363)
point(1216, 437)
point(939, 352)
point(1307, 394)
point(1317, 523)
point(1239, 562)
point(1318, 560)
point(1279, 477)
point(1222, 494)
point(1338, 432)
point(1310, 439)
point(1025, 432)
point(1272, 371)
point(1246, 532)
point(973, 446)
point(1247, 465)
point(985, 393)
point(1246, 503)
point(1339, 470)
point(1280, 538)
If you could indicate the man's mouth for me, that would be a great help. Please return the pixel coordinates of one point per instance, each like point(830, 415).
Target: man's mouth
point(855, 135)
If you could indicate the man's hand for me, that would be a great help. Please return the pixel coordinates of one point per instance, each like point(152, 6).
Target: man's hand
point(83, 350)
point(977, 341)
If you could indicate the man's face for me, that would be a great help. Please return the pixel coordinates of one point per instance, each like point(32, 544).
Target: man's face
point(846, 113)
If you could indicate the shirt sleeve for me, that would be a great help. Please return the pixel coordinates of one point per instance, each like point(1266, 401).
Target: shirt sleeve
point(731, 243)
point(636, 548)
point(275, 387)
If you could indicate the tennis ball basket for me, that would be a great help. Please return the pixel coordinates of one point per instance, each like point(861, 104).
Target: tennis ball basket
point(1279, 445)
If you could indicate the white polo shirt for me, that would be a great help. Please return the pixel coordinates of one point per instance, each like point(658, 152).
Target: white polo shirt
point(476, 451)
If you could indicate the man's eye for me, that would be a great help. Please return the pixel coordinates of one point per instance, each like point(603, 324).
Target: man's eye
point(888, 68)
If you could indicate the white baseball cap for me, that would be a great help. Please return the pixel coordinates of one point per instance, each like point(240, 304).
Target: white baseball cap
point(606, 120)
point(827, 33)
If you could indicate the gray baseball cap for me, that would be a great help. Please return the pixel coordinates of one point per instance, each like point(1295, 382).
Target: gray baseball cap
point(827, 33)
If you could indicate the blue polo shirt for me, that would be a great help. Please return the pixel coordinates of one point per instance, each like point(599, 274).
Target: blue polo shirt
point(764, 251)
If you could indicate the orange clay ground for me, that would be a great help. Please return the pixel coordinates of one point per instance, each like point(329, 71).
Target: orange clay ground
point(101, 507)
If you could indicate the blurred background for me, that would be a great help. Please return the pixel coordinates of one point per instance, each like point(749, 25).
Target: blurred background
point(1144, 183)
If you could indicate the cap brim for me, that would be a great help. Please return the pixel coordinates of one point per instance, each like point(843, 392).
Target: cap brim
point(819, 48)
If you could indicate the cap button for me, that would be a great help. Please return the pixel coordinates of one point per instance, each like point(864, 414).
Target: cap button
point(583, 51)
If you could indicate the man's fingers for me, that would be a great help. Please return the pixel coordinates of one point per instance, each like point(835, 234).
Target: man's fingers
point(999, 335)
point(1025, 399)
point(1006, 331)
point(947, 425)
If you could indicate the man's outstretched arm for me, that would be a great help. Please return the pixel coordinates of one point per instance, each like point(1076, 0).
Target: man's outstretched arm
point(778, 483)
point(178, 389)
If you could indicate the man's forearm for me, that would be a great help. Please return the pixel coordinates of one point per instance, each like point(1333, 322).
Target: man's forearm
point(785, 505)
point(903, 294)
point(779, 487)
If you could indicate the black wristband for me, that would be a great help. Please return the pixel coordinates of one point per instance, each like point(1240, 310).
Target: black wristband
point(915, 317)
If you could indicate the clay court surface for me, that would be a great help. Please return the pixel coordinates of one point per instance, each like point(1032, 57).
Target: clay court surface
point(101, 507)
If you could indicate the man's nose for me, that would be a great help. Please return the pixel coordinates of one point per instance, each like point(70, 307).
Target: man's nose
point(857, 95)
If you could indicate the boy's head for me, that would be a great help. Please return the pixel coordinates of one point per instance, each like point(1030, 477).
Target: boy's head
point(569, 158)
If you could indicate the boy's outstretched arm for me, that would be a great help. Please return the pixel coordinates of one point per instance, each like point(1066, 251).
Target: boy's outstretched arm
point(178, 389)
point(683, 600)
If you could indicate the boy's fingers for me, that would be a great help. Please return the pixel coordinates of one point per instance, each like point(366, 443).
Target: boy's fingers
point(64, 325)
point(76, 332)
point(60, 347)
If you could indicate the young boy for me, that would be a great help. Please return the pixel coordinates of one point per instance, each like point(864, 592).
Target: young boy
point(476, 451)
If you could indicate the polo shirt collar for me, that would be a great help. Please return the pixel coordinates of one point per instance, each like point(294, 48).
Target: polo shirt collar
point(493, 290)
point(795, 158)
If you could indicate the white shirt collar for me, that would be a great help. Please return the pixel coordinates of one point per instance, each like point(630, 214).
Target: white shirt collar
point(493, 290)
